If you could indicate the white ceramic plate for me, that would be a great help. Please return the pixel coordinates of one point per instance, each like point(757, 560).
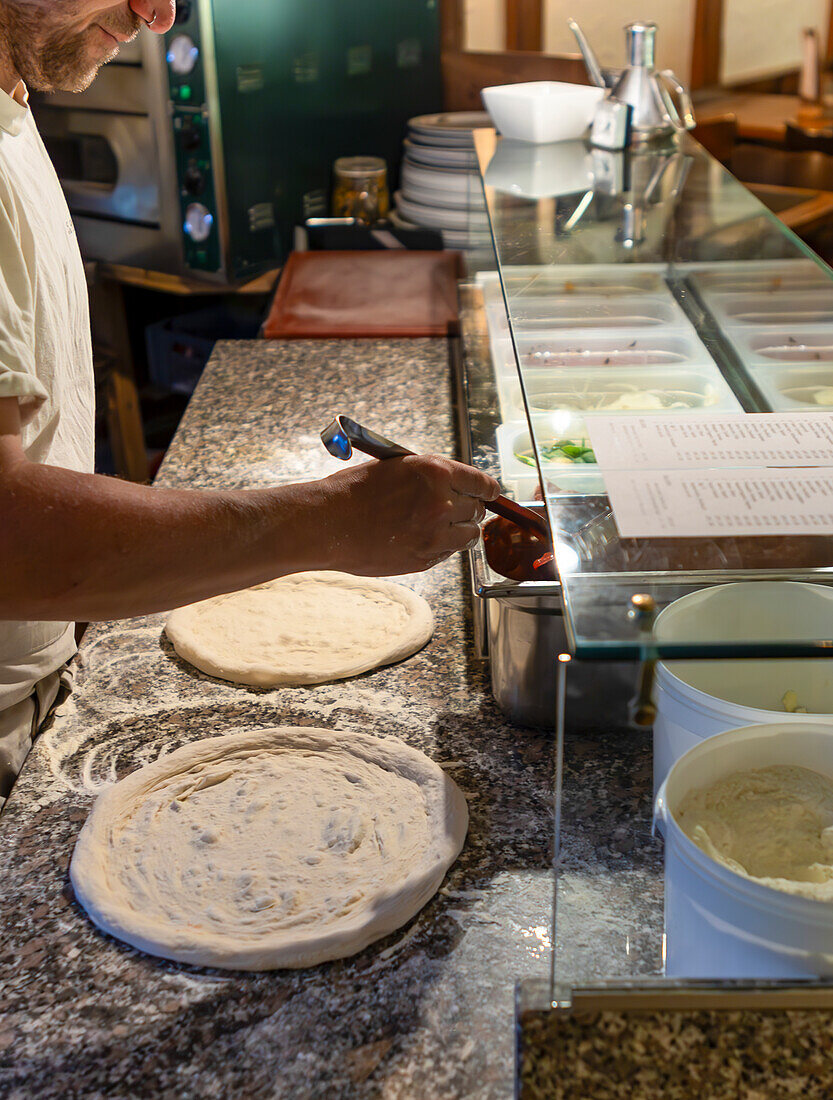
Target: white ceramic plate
point(441, 199)
point(437, 179)
point(463, 242)
point(440, 142)
point(454, 124)
point(444, 157)
point(401, 223)
point(451, 238)
point(437, 218)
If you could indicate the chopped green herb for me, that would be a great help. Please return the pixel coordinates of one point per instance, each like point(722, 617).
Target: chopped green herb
point(562, 451)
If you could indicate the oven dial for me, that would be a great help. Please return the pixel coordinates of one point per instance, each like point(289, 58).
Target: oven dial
point(198, 222)
point(190, 137)
point(182, 54)
point(193, 181)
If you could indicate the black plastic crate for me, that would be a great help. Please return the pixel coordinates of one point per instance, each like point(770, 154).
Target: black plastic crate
point(179, 347)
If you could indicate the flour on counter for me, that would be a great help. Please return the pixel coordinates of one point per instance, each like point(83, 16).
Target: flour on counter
point(773, 825)
point(307, 628)
point(262, 850)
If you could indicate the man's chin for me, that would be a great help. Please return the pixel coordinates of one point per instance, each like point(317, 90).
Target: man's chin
point(72, 73)
point(82, 81)
point(62, 82)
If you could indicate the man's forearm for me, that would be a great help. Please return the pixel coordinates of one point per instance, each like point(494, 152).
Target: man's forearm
point(87, 547)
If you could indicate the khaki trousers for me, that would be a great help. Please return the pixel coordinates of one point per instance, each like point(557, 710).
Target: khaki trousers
point(21, 723)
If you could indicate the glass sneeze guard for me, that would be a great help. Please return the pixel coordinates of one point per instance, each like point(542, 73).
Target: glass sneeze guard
point(649, 282)
point(592, 301)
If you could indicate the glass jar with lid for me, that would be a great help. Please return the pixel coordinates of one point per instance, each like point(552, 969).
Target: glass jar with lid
point(361, 189)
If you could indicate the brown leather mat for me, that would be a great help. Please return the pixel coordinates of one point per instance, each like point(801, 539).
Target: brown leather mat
point(387, 293)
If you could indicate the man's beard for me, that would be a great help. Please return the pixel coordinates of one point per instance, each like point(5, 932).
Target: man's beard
point(58, 58)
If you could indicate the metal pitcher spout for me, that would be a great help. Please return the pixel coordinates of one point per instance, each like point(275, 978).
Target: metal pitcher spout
point(594, 69)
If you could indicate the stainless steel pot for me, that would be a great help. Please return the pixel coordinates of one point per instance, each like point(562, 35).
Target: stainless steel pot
point(519, 625)
point(525, 635)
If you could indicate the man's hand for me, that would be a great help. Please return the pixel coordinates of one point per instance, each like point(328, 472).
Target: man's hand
point(86, 547)
point(403, 515)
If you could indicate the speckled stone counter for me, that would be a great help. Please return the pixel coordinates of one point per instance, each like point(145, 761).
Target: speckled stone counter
point(427, 1012)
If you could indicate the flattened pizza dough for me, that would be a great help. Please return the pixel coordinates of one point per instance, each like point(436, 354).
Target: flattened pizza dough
point(306, 628)
point(278, 848)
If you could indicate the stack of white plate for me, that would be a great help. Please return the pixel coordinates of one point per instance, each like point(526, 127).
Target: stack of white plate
point(440, 183)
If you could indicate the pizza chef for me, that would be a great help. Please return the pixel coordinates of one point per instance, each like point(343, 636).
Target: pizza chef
point(79, 546)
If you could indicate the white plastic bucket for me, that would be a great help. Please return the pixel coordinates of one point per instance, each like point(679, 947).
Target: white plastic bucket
point(719, 924)
point(697, 699)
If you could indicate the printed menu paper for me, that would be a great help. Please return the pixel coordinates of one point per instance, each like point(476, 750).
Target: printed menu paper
point(706, 503)
point(737, 474)
point(732, 440)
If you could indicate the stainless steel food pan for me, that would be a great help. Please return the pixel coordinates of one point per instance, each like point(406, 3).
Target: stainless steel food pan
point(519, 627)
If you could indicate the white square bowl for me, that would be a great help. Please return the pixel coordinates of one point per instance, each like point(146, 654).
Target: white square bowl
point(541, 111)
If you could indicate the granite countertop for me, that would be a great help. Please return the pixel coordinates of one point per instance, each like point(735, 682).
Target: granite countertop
point(428, 1012)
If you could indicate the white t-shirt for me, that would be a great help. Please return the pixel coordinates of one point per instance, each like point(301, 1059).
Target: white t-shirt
point(45, 353)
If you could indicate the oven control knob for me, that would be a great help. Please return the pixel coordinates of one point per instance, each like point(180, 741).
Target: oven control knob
point(198, 222)
point(193, 181)
point(190, 137)
point(182, 54)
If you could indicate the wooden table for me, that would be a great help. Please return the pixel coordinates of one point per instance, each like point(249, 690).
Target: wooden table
point(763, 119)
point(759, 117)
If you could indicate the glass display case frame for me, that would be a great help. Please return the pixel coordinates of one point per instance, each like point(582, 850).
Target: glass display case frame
point(619, 273)
point(697, 225)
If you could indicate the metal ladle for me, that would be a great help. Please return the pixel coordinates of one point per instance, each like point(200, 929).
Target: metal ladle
point(344, 436)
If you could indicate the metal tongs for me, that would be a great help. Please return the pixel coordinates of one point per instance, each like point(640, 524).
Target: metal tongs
point(344, 436)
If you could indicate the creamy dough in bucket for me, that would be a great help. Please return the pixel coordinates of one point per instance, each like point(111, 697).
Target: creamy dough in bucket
point(773, 825)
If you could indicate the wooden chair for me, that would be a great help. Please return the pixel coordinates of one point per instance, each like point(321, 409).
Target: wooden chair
point(799, 139)
point(718, 136)
point(115, 377)
point(466, 74)
point(803, 211)
point(795, 184)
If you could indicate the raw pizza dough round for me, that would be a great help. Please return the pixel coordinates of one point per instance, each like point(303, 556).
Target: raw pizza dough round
point(306, 628)
point(277, 848)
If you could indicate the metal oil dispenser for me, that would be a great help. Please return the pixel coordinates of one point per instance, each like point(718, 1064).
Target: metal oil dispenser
point(654, 116)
